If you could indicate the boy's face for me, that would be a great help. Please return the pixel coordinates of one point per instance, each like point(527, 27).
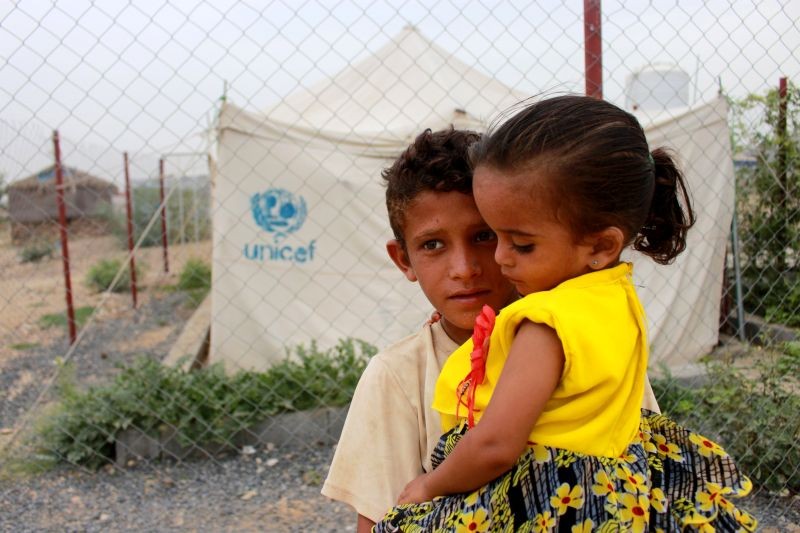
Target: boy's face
point(450, 252)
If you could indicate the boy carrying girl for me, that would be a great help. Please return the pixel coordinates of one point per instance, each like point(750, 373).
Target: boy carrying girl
point(442, 242)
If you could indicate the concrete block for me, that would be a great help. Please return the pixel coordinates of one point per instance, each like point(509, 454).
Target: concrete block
point(134, 444)
point(322, 425)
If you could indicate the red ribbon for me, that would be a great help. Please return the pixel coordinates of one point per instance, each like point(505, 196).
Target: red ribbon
point(484, 324)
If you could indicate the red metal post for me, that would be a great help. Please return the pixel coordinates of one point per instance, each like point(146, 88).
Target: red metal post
point(593, 48)
point(163, 215)
point(62, 224)
point(782, 123)
point(130, 229)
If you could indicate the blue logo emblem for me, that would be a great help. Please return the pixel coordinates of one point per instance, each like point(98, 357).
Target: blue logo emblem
point(278, 211)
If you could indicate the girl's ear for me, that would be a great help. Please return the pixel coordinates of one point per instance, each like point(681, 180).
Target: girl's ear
point(606, 247)
point(399, 256)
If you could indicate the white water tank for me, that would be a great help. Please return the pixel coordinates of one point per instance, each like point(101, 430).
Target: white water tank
point(657, 87)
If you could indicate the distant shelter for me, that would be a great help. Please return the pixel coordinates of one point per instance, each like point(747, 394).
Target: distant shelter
point(33, 210)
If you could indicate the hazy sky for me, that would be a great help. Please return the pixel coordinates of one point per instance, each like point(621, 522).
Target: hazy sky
point(147, 75)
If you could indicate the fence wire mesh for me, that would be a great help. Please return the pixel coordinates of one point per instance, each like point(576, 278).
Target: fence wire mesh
point(254, 135)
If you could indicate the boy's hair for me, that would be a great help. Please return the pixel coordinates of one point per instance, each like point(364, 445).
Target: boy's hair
point(435, 161)
point(598, 171)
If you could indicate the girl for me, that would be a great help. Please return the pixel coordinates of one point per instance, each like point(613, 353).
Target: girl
point(542, 408)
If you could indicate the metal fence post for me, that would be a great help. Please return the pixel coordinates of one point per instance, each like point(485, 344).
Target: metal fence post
point(163, 214)
point(130, 229)
point(62, 224)
point(593, 46)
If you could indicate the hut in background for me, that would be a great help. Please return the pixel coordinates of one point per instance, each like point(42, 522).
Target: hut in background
point(33, 211)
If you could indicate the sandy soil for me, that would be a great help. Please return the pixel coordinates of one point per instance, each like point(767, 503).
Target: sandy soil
point(29, 291)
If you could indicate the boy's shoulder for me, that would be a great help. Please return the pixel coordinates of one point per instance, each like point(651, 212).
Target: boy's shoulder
point(428, 345)
point(409, 348)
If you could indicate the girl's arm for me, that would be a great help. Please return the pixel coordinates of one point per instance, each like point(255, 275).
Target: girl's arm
point(529, 377)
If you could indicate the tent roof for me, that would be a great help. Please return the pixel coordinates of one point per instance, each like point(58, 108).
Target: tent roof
point(408, 84)
point(46, 179)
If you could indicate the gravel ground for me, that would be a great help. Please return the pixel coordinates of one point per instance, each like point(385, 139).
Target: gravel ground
point(273, 489)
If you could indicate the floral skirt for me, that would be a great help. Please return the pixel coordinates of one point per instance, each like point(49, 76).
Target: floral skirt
point(669, 479)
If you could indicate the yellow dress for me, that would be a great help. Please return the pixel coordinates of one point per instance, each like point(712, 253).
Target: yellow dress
point(596, 406)
point(596, 461)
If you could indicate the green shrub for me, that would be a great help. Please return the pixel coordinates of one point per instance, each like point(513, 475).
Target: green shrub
point(52, 320)
point(36, 251)
point(754, 419)
point(102, 274)
point(767, 205)
point(203, 406)
point(196, 274)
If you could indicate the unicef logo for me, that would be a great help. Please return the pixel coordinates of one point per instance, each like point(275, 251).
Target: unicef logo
point(278, 211)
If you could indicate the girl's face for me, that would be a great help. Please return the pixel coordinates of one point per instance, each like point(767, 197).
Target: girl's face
point(535, 251)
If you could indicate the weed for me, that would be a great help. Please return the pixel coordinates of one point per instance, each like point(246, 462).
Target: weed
point(203, 406)
point(102, 274)
point(36, 251)
point(196, 274)
point(755, 420)
point(24, 346)
point(52, 320)
point(195, 281)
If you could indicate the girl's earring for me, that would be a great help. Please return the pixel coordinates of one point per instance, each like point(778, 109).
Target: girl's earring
point(594, 262)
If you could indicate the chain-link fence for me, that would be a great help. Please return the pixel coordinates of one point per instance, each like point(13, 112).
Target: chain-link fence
point(203, 268)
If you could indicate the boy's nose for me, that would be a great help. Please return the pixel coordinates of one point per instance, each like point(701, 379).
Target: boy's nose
point(465, 266)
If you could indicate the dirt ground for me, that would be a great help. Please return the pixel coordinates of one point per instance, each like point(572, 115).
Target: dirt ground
point(29, 291)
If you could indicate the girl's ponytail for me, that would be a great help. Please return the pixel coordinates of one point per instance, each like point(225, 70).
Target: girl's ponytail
point(663, 235)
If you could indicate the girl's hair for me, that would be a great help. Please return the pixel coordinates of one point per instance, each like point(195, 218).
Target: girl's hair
point(598, 171)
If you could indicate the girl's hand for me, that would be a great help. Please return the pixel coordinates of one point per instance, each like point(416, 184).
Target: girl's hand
point(416, 491)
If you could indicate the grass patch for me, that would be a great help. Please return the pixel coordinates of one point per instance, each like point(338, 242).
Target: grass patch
point(53, 320)
point(101, 276)
point(36, 251)
point(196, 274)
point(21, 346)
point(755, 420)
point(194, 281)
point(203, 406)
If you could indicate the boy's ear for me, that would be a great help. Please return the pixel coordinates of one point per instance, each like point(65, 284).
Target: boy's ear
point(606, 247)
point(400, 258)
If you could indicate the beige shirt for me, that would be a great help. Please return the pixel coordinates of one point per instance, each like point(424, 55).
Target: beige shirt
point(391, 429)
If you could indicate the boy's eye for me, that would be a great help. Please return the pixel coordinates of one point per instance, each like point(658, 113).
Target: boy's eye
point(485, 236)
point(432, 244)
point(522, 248)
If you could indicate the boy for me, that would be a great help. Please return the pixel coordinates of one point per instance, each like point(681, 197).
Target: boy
point(441, 241)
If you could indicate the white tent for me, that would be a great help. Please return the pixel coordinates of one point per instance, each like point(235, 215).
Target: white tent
point(682, 300)
point(300, 221)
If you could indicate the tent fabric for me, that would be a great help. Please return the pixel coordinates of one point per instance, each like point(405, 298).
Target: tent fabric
point(300, 221)
point(682, 300)
point(408, 84)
